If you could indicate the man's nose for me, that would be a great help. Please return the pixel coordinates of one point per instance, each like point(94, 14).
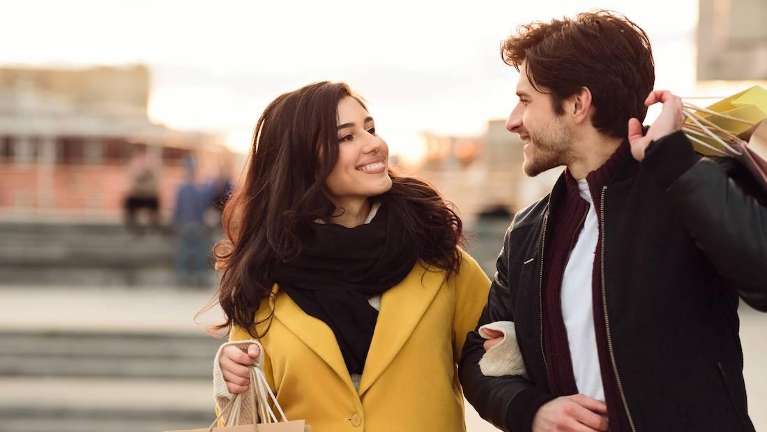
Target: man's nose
point(514, 122)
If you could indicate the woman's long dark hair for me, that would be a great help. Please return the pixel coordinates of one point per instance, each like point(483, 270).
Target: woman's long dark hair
point(295, 147)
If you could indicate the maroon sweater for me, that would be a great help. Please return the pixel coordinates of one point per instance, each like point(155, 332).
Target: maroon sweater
point(568, 212)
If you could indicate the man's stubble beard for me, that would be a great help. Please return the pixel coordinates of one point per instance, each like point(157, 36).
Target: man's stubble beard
point(549, 150)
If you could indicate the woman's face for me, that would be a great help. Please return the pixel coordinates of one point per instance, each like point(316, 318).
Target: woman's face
point(362, 167)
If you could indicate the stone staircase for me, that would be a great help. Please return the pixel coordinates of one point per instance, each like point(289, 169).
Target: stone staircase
point(96, 254)
point(65, 367)
point(103, 254)
point(111, 382)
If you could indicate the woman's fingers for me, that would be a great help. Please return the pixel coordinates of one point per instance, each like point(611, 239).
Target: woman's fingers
point(235, 388)
point(491, 333)
point(491, 343)
point(235, 365)
point(253, 351)
point(237, 355)
point(232, 378)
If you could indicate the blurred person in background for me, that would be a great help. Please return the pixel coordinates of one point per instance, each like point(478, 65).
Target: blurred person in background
point(142, 196)
point(349, 275)
point(219, 189)
point(193, 258)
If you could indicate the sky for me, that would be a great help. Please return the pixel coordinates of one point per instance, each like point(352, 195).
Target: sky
point(421, 65)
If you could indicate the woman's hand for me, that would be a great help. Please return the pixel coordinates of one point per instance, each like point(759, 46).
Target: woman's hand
point(235, 365)
point(496, 338)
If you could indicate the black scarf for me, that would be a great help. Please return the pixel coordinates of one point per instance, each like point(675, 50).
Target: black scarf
point(339, 269)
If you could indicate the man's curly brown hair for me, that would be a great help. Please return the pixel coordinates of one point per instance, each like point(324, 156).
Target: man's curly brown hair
point(602, 51)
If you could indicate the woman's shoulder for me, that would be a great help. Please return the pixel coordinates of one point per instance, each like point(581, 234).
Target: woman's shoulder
point(264, 314)
point(468, 266)
point(470, 272)
point(468, 263)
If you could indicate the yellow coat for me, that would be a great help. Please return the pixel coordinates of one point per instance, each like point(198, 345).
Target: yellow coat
point(410, 379)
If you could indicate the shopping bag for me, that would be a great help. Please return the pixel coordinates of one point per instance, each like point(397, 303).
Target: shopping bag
point(734, 127)
point(254, 410)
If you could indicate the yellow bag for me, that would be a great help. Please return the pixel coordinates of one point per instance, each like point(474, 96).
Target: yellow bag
point(734, 127)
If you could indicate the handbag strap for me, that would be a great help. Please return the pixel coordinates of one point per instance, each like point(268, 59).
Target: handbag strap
point(260, 392)
point(709, 127)
point(266, 396)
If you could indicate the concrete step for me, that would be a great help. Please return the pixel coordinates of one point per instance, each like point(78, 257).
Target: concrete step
point(108, 255)
point(15, 420)
point(86, 254)
point(117, 355)
point(37, 227)
point(83, 249)
point(83, 309)
point(106, 405)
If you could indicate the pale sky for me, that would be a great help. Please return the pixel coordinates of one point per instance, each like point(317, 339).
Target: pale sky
point(422, 65)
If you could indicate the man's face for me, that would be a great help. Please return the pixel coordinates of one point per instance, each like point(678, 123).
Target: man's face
point(544, 134)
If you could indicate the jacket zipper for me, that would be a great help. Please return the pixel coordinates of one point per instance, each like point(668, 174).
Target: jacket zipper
point(540, 286)
point(540, 291)
point(607, 318)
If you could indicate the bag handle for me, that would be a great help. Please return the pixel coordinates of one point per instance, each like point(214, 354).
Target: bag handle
point(706, 128)
point(260, 392)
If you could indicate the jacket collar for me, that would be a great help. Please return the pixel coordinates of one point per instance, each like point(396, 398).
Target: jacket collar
point(402, 307)
point(618, 167)
point(401, 310)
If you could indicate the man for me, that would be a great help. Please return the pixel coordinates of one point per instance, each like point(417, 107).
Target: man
point(194, 237)
point(623, 283)
point(143, 192)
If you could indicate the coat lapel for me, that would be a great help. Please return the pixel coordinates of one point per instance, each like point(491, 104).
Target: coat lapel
point(313, 333)
point(402, 307)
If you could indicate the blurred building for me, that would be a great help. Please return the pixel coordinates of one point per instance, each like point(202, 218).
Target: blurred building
point(66, 137)
point(732, 40)
point(732, 50)
point(482, 172)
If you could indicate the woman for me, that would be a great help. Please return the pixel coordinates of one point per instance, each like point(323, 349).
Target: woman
point(351, 277)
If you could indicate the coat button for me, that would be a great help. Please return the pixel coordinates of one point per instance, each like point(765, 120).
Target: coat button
point(356, 420)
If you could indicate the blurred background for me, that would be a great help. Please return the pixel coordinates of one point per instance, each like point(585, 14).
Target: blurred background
point(123, 125)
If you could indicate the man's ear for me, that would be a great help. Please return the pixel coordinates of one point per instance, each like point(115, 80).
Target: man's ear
point(579, 105)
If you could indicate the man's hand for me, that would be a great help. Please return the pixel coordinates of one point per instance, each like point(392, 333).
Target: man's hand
point(235, 365)
point(576, 413)
point(669, 121)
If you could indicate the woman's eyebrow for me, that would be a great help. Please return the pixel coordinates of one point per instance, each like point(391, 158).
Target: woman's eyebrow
point(346, 125)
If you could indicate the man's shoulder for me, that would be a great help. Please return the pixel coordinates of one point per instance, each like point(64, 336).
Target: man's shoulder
point(530, 215)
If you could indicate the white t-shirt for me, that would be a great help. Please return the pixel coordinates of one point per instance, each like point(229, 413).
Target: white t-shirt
point(577, 304)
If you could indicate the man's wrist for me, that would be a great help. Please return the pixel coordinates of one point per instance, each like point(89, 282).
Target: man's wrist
point(670, 157)
point(524, 407)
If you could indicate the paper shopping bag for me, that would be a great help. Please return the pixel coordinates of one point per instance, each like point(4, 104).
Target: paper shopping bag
point(734, 127)
point(254, 410)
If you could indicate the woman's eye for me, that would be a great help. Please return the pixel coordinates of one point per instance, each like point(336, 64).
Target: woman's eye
point(346, 138)
point(372, 131)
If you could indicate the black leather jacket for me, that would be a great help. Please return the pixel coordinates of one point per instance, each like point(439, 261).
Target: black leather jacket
point(683, 238)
